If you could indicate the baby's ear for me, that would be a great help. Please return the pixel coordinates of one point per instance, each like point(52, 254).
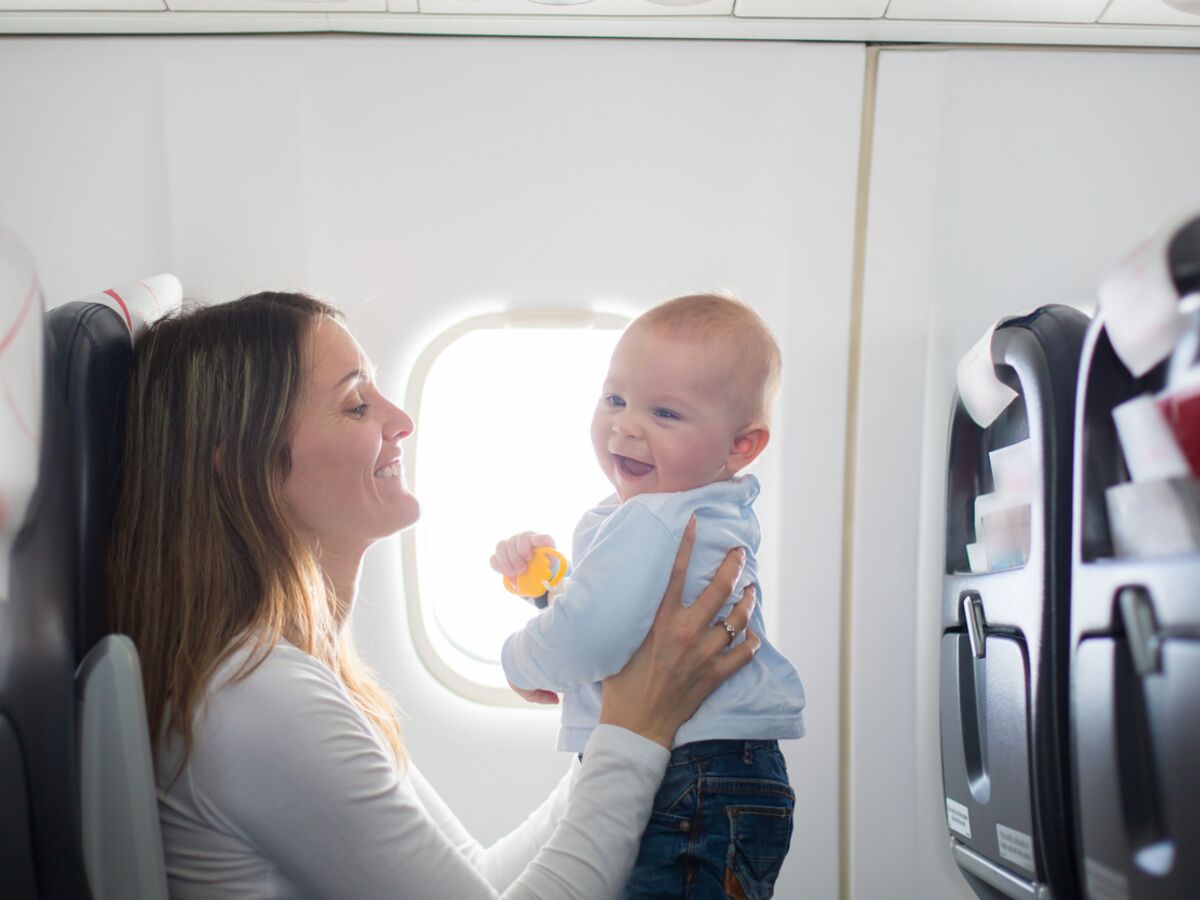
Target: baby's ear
point(746, 447)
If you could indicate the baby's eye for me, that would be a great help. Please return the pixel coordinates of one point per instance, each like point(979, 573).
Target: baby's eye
point(666, 413)
point(614, 400)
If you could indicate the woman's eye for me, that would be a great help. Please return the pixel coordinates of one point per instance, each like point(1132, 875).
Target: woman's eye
point(614, 400)
point(359, 411)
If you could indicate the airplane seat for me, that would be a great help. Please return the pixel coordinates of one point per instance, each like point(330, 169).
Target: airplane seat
point(92, 342)
point(1005, 607)
point(1135, 619)
point(62, 376)
point(36, 704)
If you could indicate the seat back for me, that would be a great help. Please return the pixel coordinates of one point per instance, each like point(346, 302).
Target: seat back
point(41, 854)
point(122, 844)
point(63, 376)
point(1005, 609)
point(1135, 665)
point(92, 346)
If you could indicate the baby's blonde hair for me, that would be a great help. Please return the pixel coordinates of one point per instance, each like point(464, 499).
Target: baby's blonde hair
point(725, 319)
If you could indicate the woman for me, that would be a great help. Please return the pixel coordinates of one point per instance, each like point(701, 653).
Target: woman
point(261, 463)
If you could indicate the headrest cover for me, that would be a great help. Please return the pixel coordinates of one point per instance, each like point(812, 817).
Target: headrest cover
point(21, 373)
point(1140, 299)
point(141, 302)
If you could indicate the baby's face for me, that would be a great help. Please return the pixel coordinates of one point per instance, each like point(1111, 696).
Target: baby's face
point(666, 420)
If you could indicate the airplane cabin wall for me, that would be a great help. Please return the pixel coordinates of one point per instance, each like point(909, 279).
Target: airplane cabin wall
point(1001, 180)
point(424, 180)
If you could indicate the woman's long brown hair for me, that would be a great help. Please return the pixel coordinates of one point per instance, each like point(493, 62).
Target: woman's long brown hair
point(203, 560)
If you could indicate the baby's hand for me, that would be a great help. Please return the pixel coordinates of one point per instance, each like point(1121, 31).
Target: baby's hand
point(535, 696)
point(513, 555)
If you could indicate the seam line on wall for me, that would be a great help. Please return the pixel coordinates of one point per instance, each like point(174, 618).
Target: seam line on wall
point(862, 199)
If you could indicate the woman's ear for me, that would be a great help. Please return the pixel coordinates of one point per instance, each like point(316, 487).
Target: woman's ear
point(746, 447)
point(217, 454)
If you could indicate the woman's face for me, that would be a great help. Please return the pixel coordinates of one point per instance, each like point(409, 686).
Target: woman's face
point(346, 486)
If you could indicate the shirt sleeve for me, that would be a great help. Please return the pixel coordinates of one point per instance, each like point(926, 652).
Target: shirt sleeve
point(503, 861)
point(292, 767)
point(593, 628)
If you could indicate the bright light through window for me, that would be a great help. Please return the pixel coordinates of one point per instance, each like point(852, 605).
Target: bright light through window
point(502, 446)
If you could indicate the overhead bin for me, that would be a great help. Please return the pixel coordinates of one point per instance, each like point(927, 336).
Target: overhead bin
point(1005, 602)
point(1135, 615)
point(581, 7)
point(1073, 11)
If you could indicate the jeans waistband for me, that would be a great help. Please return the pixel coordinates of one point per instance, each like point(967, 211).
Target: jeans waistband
point(687, 753)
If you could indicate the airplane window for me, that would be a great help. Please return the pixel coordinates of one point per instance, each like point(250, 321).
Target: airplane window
point(503, 406)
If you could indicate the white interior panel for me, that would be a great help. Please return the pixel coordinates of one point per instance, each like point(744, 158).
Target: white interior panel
point(1002, 180)
point(812, 9)
point(581, 7)
point(278, 5)
point(340, 165)
point(1151, 12)
point(81, 5)
point(998, 10)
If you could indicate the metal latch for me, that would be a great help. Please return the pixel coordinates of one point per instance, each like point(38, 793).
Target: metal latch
point(973, 617)
point(1141, 629)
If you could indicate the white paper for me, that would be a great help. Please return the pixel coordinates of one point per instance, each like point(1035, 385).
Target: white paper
point(1012, 468)
point(1140, 306)
point(977, 559)
point(21, 361)
point(983, 394)
point(1104, 883)
point(958, 817)
point(1147, 442)
point(1015, 846)
point(1003, 525)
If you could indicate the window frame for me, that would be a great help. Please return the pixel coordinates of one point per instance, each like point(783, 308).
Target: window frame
point(421, 624)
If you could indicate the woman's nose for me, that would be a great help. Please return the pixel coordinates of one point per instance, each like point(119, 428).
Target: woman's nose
point(398, 424)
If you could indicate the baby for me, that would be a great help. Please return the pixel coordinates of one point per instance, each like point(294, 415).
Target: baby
point(685, 407)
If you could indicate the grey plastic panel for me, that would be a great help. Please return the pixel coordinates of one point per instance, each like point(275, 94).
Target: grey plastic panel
point(1138, 743)
point(16, 847)
point(122, 844)
point(985, 749)
point(1004, 882)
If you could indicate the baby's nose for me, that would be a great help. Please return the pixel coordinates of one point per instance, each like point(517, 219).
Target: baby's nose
point(627, 427)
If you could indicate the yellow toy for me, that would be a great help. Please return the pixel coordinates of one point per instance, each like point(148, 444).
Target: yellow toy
point(547, 568)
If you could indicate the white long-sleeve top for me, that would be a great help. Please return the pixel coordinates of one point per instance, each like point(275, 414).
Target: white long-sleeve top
point(289, 792)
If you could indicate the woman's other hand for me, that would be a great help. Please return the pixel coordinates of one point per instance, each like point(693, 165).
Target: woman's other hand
point(683, 658)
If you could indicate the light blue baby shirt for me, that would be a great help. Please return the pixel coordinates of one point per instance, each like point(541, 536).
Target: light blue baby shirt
point(622, 556)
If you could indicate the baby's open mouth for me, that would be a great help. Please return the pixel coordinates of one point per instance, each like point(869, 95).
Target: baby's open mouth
point(631, 467)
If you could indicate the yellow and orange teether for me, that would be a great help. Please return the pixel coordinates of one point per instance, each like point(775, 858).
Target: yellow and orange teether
point(546, 569)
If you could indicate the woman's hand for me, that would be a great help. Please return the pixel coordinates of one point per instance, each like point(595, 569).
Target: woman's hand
point(683, 658)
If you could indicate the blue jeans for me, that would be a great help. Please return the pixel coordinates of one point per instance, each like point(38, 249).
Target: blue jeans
point(721, 824)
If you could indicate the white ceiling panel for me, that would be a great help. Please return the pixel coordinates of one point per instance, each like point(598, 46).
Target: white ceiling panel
point(1075, 11)
point(811, 9)
point(278, 5)
point(581, 7)
point(81, 5)
point(1152, 12)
